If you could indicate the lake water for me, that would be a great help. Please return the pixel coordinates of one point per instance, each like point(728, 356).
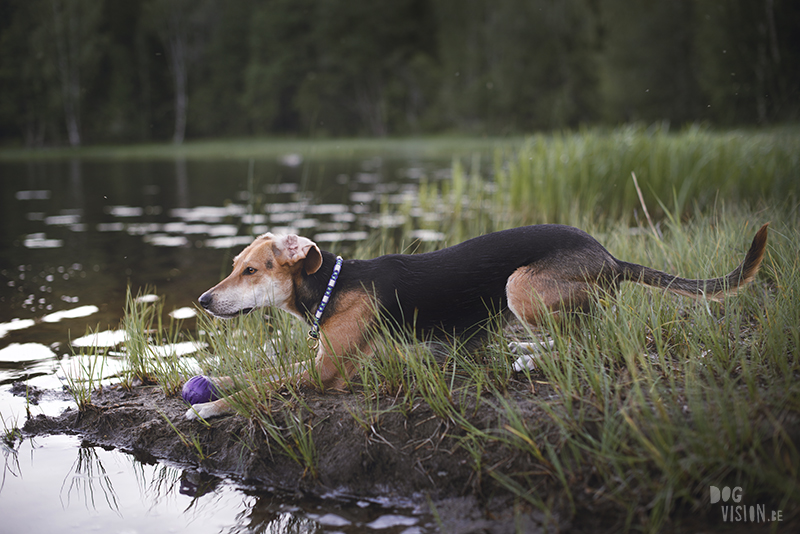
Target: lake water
point(59, 484)
point(75, 234)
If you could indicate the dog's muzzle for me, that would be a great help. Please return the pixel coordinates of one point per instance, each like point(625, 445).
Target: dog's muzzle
point(206, 299)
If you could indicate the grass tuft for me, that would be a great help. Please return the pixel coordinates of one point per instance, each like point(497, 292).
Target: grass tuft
point(84, 373)
point(150, 345)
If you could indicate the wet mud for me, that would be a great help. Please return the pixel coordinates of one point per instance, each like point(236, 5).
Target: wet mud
point(415, 458)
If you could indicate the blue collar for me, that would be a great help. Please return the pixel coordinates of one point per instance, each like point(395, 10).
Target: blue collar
point(313, 334)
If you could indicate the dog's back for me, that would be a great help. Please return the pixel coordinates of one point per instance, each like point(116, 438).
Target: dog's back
point(455, 290)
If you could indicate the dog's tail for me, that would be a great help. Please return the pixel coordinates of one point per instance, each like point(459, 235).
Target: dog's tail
point(713, 289)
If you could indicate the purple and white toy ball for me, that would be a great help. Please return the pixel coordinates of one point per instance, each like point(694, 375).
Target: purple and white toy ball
point(199, 389)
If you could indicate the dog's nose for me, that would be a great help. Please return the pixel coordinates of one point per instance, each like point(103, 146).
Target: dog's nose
point(205, 299)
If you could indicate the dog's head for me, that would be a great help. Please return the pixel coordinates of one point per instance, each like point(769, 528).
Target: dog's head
point(264, 275)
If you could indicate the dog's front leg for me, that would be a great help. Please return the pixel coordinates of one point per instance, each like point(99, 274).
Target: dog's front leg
point(344, 338)
point(273, 378)
point(206, 410)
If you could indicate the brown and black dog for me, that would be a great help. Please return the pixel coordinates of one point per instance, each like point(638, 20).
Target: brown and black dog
point(528, 272)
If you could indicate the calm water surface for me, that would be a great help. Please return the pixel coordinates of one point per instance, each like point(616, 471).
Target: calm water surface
point(75, 234)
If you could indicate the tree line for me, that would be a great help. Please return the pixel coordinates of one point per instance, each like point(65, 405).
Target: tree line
point(99, 71)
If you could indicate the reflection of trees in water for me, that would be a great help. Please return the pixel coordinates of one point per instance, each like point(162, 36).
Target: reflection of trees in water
point(88, 477)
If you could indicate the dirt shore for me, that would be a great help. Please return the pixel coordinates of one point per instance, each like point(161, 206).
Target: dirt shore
point(413, 458)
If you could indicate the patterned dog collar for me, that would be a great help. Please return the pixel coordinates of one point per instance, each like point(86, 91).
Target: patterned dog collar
point(313, 334)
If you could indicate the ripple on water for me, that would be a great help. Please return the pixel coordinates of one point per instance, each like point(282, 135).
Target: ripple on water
point(40, 240)
point(15, 324)
point(105, 339)
point(25, 352)
point(183, 313)
point(80, 311)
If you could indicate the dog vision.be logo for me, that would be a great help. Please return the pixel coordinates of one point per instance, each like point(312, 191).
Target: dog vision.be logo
point(738, 512)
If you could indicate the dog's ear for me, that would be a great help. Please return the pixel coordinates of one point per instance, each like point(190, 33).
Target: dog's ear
point(313, 259)
point(291, 249)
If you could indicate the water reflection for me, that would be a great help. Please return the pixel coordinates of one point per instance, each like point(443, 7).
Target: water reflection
point(108, 490)
point(25, 352)
point(87, 480)
point(80, 311)
point(32, 195)
point(15, 324)
point(103, 490)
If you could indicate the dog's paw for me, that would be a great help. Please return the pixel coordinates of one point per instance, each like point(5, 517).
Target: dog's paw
point(526, 361)
point(204, 410)
point(529, 353)
point(527, 347)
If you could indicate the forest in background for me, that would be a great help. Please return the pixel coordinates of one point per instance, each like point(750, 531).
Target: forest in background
point(78, 72)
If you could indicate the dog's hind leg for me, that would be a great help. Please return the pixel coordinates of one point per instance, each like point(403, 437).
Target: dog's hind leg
point(534, 293)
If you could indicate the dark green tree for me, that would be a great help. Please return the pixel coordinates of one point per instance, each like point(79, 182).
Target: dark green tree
point(650, 68)
point(747, 54)
point(30, 102)
point(512, 65)
point(76, 71)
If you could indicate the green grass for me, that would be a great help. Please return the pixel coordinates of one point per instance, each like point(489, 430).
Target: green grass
point(147, 354)
point(10, 432)
point(242, 348)
point(585, 179)
point(640, 406)
point(84, 373)
point(663, 398)
point(655, 398)
point(587, 175)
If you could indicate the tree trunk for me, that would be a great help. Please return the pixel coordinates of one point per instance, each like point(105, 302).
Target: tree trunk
point(176, 49)
point(177, 52)
point(66, 26)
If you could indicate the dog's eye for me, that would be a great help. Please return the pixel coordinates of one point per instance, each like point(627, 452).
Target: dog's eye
point(249, 270)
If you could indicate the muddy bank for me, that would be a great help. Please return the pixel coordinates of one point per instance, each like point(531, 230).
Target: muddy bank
point(415, 457)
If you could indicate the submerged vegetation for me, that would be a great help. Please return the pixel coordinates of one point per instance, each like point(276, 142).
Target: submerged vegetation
point(632, 411)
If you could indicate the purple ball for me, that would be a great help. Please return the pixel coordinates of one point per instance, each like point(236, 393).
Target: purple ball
point(199, 389)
